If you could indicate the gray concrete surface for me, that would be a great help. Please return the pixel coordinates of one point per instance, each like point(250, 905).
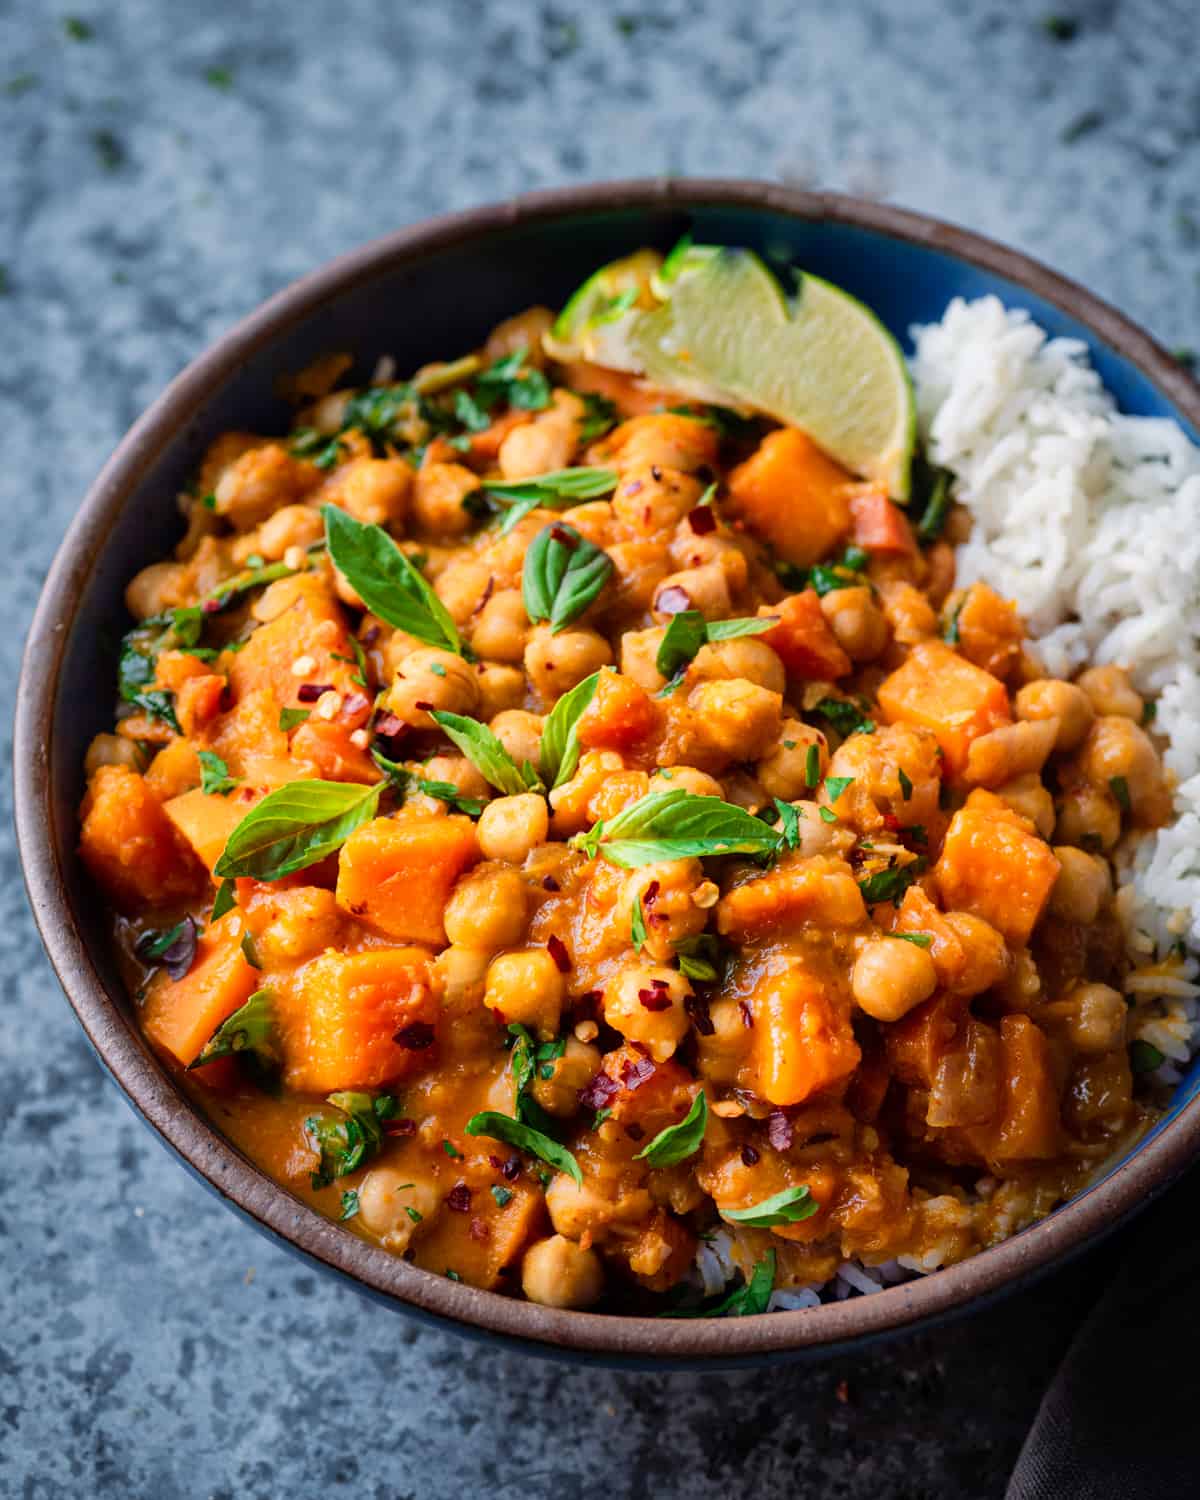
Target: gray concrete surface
point(163, 166)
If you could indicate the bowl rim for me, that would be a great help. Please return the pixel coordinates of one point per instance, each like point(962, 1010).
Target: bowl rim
point(454, 1305)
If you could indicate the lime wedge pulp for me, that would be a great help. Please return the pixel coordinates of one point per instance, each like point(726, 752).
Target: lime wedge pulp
point(722, 330)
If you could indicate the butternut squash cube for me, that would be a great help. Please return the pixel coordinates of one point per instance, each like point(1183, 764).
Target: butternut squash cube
point(395, 874)
point(803, 1042)
point(130, 846)
point(939, 690)
point(994, 866)
point(794, 497)
point(181, 1016)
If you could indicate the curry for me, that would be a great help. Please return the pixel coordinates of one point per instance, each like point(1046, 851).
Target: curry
point(550, 823)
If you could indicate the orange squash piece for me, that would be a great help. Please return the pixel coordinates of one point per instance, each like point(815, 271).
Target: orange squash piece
point(1029, 1128)
point(803, 640)
point(129, 845)
point(620, 715)
point(818, 889)
point(880, 526)
point(305, 620)
point(206, 821)
point(340, 1029)
point(939, 690)
point(803, 1043)
point(482, 1243)
point(395, 874)
point(181, 1016)
point(792, 496)
point(994, 866)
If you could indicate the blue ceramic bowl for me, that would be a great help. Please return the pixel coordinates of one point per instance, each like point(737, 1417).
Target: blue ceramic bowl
point(419, 294)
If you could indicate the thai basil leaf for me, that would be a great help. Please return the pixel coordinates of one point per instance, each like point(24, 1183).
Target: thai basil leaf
point(845, 715)
point(174, 947)
point(525, 1138)
point(638, 925)
point(563, 574)
point(215, 779)
point(386, 581)
point(251, 1028)
point(558, 488)
point(295, 826)
point(225, 899)
point(789, 1206)
point(747, 1300)
point(689, 630)
point(560, 739)
point(600, 415)
point(677, 1142)
point(487, 754)
point(677, 825)
point(159, 705)
point(700, 957)
point(344, 1144)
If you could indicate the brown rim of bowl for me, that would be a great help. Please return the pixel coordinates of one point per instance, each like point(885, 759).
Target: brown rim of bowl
point(268, 1204)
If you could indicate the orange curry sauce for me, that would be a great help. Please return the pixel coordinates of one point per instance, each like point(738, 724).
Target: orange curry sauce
point(907, 1011)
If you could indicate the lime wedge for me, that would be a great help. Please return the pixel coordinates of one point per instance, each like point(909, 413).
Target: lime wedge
point(596, 321)
point(822, 362)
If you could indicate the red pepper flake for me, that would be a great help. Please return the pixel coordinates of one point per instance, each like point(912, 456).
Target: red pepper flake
point(697, 1008)
point(459, 1198)
point(634, 487)
point(479, 1229)
point(746, 1014)
point(651, 895)
point(495, 1163)
point(370, 635)
point(423, 706)
point(657, 997)
point(634, 1131)
point(388, 725)
point(673, 600)
point(557, 950)
point(402, 1126)
point(780, 1134)
point(701, 520)
point(354, 705)
point(489, 589)
point(416, 1036)
point(511, 1169)
point(309, 692)
point(599, 1092)
point(634, 1074)
point(750, 1156)
point(550, 884)
point(563, 537)
point(656, 473)
point(891, 822)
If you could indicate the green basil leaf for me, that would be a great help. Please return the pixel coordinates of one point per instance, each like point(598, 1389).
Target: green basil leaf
point(560, 740)
point(225, 900)
point(600, 416)
point(748, 1300)
point(291, 718)
point(350, 1204)
point(836, 785)
point(812, 766)
point(933, 518)
point(683, 637)
point(729, 630)
point(676, 825)
point(845, 716)
point(906, 786)
point(1144, 1057)
point(890, 884)
point(918, 939)
point(295, 826)
point(446, 791)
point(513, 1133)
point(638, 925)
point(1120, 790)
point(700, 957)
point(159, 705)
point(215, 779)
point(562, 575)
point(398, 778)
point(554, 490)
point(345, 1143)
point(386, 581)
point(789, 1206)
point(677, 1142)
point(486, 753)
point(790, 824)
point(251, 1028)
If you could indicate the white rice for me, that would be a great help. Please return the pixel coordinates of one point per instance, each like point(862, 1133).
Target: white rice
point(1090, 522)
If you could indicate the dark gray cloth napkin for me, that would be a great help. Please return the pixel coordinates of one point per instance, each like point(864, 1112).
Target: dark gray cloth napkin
point(1121, 1419)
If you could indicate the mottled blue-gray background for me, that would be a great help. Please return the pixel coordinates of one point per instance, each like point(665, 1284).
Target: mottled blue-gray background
point(164, 165)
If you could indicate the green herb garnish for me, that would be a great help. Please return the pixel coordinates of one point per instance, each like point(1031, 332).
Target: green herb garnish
point(638, 925)
point(677, 1142)
point(689, 630)
point(525, 1138)
point(344, 1143)
point(789, 1206)
point(296, 826)
point(559, 753)
point(676, 825)
point(846, 716)
point(250, 1029)
point(215, 779)
point(563, 574)
point(1120, 790)
point(485, 752)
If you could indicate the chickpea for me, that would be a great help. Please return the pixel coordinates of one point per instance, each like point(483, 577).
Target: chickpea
point(890, 977)
point(1096, 1018)
point(1088, 816)
point(1027, 796)
point(559, 1094)
point(628, 1002)
point(987, 957)
point(705, 588)
point(523, 331)
point(501, 627)
point(437, 499)
point(572, 799)
point(639, 648)
point(859, 624)
point(384, 1198)
point(546, 443)
point(619, 791)
point(559, 1273)
point(460, 773)
point(576, 1210)
point(259, 482)
point(487, 908)
point(1048, 698)
point(500, 688)
point(510, 827)
point(462, 972)
point(527, 987)
point(292, 925)
point(907, 611)
point(427, 679)
point(686, 779)
point(156, 589)
point(742, 657)
point(1111, 693)
point(1014, 750)
point(783, 771)
point(291, 526)
point(739, 719)
point(555, 663)
point(111, 750)
point(1082, 887)
point(376, 490)
point(520, 733)
point(652, 498)
point(1116, 749)
point(666, 439)
point(461, 588)
point(664, 893)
